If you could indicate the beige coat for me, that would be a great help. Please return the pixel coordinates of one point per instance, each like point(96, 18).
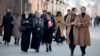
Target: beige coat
point(61, 24)
point(84, 34)
point(75, 29)
point(17, 23)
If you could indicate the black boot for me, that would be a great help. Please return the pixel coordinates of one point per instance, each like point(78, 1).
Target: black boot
point(72, 52)
point(5, 43)
point(50, 48)
point(15, 41)
point(47, 49)
point(37, 51)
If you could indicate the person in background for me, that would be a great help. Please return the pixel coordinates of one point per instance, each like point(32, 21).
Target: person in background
point(84, 34)
point(60, 27)
point(68, 13)
point(38, 25)
point(43, 16)
point(49, 24)
point(72, 30)
point(16, 33)
point(27, 23)
point(8, 27)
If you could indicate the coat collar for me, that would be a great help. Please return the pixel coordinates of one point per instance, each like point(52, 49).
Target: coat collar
point(30, 15)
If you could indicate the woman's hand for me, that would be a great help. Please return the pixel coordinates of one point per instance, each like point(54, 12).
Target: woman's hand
point(72, 23)
point(38, 29)
point(25, 22)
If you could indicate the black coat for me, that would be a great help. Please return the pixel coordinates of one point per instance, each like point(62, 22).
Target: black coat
point(26, 34)
point(30, 19)
point(7, 23)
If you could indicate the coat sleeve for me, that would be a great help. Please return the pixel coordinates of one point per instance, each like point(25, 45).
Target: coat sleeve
point(62, 21)
point(77, 20)
point(86, 22)
point(68, 21)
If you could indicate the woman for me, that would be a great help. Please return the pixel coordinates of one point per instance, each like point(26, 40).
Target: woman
point(84, 34)
point(27, 22)
point(16, 32)
point(8, 27)
point(60, 27)
point(37, 31)
point(49, 24)
point(72, 30)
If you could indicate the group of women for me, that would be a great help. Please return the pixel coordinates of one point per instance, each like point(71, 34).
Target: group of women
point(42, 29)
point(78, 30)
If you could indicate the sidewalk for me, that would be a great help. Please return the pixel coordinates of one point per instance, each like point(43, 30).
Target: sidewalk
point(58, 50)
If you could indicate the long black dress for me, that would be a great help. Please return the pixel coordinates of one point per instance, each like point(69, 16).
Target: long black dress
point(25, 40)
point(48, 32)
point(8, 26)
point(37, 34)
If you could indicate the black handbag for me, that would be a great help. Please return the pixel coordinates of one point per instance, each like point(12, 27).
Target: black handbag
point(22, 28)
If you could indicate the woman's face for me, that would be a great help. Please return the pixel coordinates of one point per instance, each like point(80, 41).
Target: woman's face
point(26, 12)
point(83, 10)
point(48, 16)
point(37, 14)
point(74, 12)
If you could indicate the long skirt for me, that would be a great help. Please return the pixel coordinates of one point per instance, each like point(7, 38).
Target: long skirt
point(7, 36)
point(71, 37)
point(58, 38)
point(25, 39)
point(48, 35)
point(36, 39)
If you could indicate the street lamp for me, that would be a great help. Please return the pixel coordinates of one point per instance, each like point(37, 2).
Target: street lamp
point(38, 5)
point(47, 4)
point(52, 5)
point(57, 2)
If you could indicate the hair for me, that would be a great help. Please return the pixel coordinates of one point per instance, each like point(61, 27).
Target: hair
point(48, 13)
point(68, 10)
point(44, 11)
point(58, 13)
point(83, 7)
point(73, 9)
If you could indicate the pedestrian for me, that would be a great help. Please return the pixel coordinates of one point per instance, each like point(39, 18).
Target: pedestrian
point(84, 34)
point(8, 26)
point(26, 25)
point(38, 24)
point(49, 24)
point(43, 16)
point(60, 27)
point(68, 13)
point(72, 30)
point(16, 33)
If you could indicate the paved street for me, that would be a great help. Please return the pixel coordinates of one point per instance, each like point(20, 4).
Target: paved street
point(58, 50)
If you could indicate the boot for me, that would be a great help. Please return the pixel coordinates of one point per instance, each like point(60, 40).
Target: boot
point(50, 48)
point(47, 49)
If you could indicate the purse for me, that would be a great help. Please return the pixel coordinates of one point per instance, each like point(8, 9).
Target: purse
point(22, 28)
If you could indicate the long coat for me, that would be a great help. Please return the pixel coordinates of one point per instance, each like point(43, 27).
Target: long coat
point(17, 22)
point(60, 25)
point(75, 29)
point(7, 23)
point(84, 34)
point(26, 34)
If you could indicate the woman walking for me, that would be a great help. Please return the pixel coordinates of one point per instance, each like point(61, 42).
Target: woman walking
point(38, 24)
point(8, 27)
point(72, 30)
point(84, 34)
point(49, 24)
point(16, 32)
point(60, 27)
point(26, 22)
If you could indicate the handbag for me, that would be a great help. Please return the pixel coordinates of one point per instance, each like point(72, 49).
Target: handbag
point(22, 28)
